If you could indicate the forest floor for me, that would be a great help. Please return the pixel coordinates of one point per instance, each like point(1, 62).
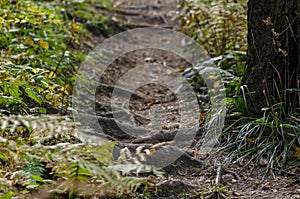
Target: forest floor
point(190, 176)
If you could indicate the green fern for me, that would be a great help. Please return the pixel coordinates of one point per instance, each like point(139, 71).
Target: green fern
point(84, 169)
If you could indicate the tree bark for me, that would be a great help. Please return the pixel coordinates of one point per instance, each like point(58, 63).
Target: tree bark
point(273, 54)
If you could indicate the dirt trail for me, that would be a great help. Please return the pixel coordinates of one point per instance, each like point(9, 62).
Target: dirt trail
point(144, 13)
point(189, 172)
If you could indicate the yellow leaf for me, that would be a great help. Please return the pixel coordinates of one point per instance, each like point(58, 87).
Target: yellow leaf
point(7, 25)
point(202, 119)
point(56, 21)
point(8, 52)
point(283, 52)
point(66, 87)
point(75, 26)
point(211, 77)
point(77, 41)
point(275, 34)
point(216, 84)
point(43, 44)
point(250, 140)
point(153, 150)
point(297, 153)
point(51, 74)
point(35, 70)
point(21, 16)
point(62, 88)
point(20, 129)
point(29, 42)
point(52, 87)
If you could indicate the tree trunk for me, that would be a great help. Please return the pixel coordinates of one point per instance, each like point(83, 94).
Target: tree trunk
point(273, 54)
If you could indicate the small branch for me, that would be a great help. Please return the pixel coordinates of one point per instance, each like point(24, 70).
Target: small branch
point(219, 175)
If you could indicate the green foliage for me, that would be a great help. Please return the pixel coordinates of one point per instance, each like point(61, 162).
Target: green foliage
point(27, 43)
point(230, 67)
point(88, 13)
point(208, 189)
point(39, 42)
point(88, 171)
point(270, 137)
point(63, 167)
point(21, 83)
point(219, 26)
point(38, 63)
point(275, 137)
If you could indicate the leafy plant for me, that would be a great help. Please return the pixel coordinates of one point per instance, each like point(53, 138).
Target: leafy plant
point(38, 60)
point(64, 167)
point(207, 190)
point(229, 67)
point(39, 42)
point(269, 137)
point(218, 26)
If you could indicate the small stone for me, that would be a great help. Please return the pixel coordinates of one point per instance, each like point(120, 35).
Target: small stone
point(150, 60)
point(263, 162)
point(227, 178)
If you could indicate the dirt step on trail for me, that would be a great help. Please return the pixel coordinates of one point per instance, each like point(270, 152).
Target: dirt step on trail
point(144, 13)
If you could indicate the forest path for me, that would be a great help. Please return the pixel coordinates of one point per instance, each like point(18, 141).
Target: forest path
point(154, 102)
point(144, 13)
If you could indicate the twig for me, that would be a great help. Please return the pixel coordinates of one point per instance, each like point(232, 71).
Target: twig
point(219, 175)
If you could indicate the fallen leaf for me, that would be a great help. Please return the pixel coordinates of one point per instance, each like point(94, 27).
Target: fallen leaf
point(182, 172)
point(198, 170)
point(43, 44)
point(256, 185)
point(216, 84)
point(75, 26)
point(237, 193)
point(268, 185)
point(29, 42)
point(212, 77)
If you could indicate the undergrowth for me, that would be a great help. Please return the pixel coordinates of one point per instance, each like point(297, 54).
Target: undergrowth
point(36, 158)
point(220, 27)
point(42, 44)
